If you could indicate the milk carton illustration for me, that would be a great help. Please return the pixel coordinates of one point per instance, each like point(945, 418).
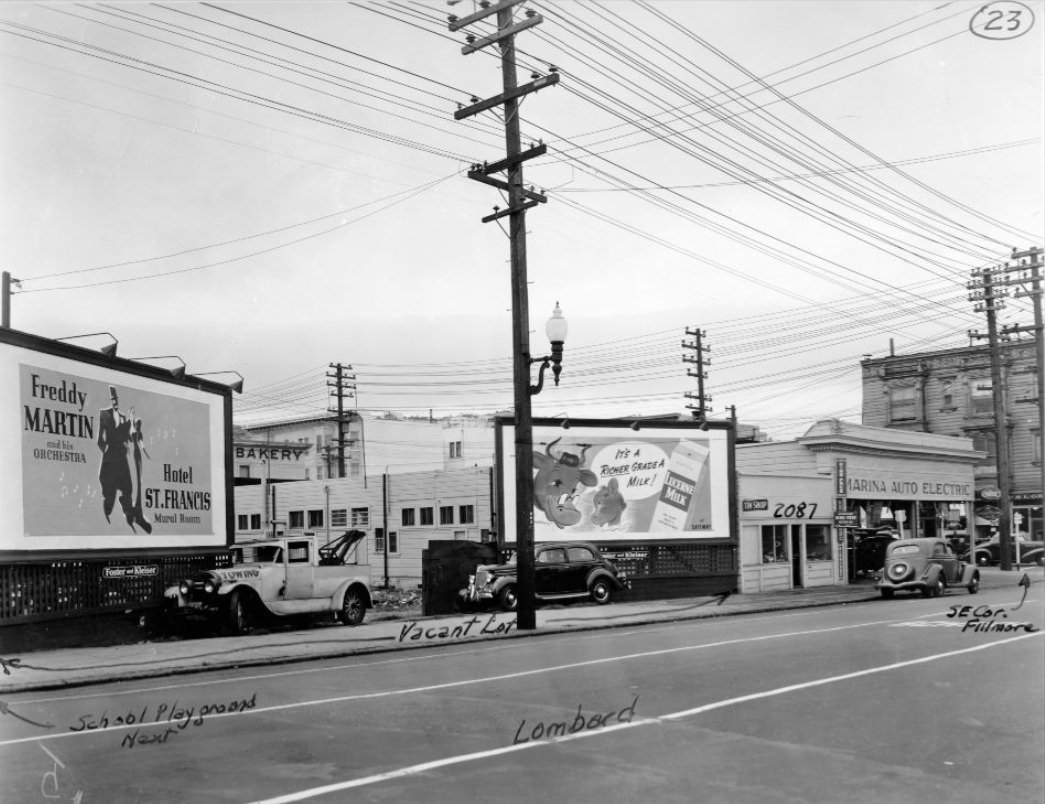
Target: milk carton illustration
point(682, 478)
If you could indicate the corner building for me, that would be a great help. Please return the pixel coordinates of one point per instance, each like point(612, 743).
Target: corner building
point(801, 502)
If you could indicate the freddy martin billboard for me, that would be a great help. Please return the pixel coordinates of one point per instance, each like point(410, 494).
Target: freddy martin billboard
point(100, 458)
point(611, 483)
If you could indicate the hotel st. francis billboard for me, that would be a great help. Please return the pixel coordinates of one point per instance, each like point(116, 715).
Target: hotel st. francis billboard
point(104, 453)
point(603, 481)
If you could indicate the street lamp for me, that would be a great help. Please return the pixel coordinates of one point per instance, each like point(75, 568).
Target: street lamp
point(556, 329)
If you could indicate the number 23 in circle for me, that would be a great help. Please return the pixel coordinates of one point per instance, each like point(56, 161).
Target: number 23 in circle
point(1005, 19)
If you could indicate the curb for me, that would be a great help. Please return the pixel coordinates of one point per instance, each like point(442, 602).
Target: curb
point(700, 611)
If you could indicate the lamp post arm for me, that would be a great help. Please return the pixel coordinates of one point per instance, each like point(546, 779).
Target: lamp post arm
point(545, 362)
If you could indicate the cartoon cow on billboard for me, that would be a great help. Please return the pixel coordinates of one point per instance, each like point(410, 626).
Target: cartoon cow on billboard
point(556, 482)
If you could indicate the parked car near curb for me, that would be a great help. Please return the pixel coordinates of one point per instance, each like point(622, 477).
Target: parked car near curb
point(928, 566)
point(279, 578)
point(562, 571)
point(988, 553)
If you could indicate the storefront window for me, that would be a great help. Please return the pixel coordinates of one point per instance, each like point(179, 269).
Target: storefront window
point(818, 543)
point(774, 543)
point(1027, 522)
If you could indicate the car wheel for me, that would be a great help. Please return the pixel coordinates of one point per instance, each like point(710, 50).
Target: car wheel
point(887, 594)
point(939, 587)
point(974, 585)
point(238, 614)
point(601, 592)
point(352, 608)
point(508, 598)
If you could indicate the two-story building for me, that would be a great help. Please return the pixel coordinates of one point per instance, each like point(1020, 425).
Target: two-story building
point(950, 392)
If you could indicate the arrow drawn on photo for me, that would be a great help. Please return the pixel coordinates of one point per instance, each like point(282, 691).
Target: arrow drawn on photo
point(6, 710)
point(1025, 583)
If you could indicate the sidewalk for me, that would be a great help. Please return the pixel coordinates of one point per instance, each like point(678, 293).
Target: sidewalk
point(71, 667)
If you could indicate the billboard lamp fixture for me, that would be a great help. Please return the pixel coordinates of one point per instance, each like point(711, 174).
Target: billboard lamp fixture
point(635, 426)
point(236, 386)
point(109, 350)
point(178, 372)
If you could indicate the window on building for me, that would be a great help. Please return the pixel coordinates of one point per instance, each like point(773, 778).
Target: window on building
point(315, 519)
point(407, 517)
point(427, 517)
point(244, 470)
point(339, 518)
point(361, 518)
point(947, 394)
point(296, 519)
point(255, 521)
point(818, 543)
point(446, 515)
point(981, 398)
point(466, 514)
point(241, 522)
point(455, 449)
point(379, 541)
point(903, 403)
point(774, 543)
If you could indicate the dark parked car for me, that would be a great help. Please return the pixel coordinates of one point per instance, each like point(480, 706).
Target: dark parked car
point(870, 552)
point(562, 571)
point(988, 553)
point(928, 566)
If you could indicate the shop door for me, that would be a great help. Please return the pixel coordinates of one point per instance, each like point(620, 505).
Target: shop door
point(796, 557)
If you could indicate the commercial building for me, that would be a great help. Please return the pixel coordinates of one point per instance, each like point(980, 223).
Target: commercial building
point(399, 513)
point(802, 501)
point(950, 392)
point(307, 448)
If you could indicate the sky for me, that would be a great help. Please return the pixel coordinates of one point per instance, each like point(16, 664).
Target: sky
point(271, 188)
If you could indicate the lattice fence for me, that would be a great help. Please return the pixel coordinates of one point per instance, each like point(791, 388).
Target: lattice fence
point(46, 590)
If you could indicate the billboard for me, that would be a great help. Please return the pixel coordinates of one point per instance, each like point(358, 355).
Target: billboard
point(103, 453)
point(603, 481)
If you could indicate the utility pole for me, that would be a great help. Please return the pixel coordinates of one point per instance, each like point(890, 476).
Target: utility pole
point(1026, 270)
point(7, 282)
point(989, 300)
point(343, 386)
point(701, 409)
point(519, 199)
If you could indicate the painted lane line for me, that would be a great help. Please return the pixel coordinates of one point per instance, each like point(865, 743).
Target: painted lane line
point(469, 682)
point(412, 770)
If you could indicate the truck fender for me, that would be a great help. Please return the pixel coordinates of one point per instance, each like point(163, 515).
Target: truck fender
point(339, 595)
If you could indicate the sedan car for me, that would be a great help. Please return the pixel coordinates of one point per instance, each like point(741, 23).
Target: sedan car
point(988, 553)
point(928, 566)
point(562, 571)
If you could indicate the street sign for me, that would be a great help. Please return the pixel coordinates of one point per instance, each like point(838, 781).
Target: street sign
point(847, 519)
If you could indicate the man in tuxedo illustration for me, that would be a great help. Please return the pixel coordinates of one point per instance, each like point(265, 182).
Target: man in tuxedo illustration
point(119, 439)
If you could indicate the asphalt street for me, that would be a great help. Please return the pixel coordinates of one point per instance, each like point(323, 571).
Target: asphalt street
point(883, 701)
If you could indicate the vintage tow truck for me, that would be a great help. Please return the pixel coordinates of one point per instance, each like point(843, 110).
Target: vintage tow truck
point(280, 577)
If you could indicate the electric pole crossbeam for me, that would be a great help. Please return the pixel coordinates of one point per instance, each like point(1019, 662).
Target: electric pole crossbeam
point(343, 386)
point(701, 409)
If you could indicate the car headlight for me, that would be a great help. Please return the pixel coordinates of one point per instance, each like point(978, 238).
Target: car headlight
point(184, 587)
point(210, 586)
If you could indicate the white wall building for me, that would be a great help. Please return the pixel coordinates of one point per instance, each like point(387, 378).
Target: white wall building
point(412, 508)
